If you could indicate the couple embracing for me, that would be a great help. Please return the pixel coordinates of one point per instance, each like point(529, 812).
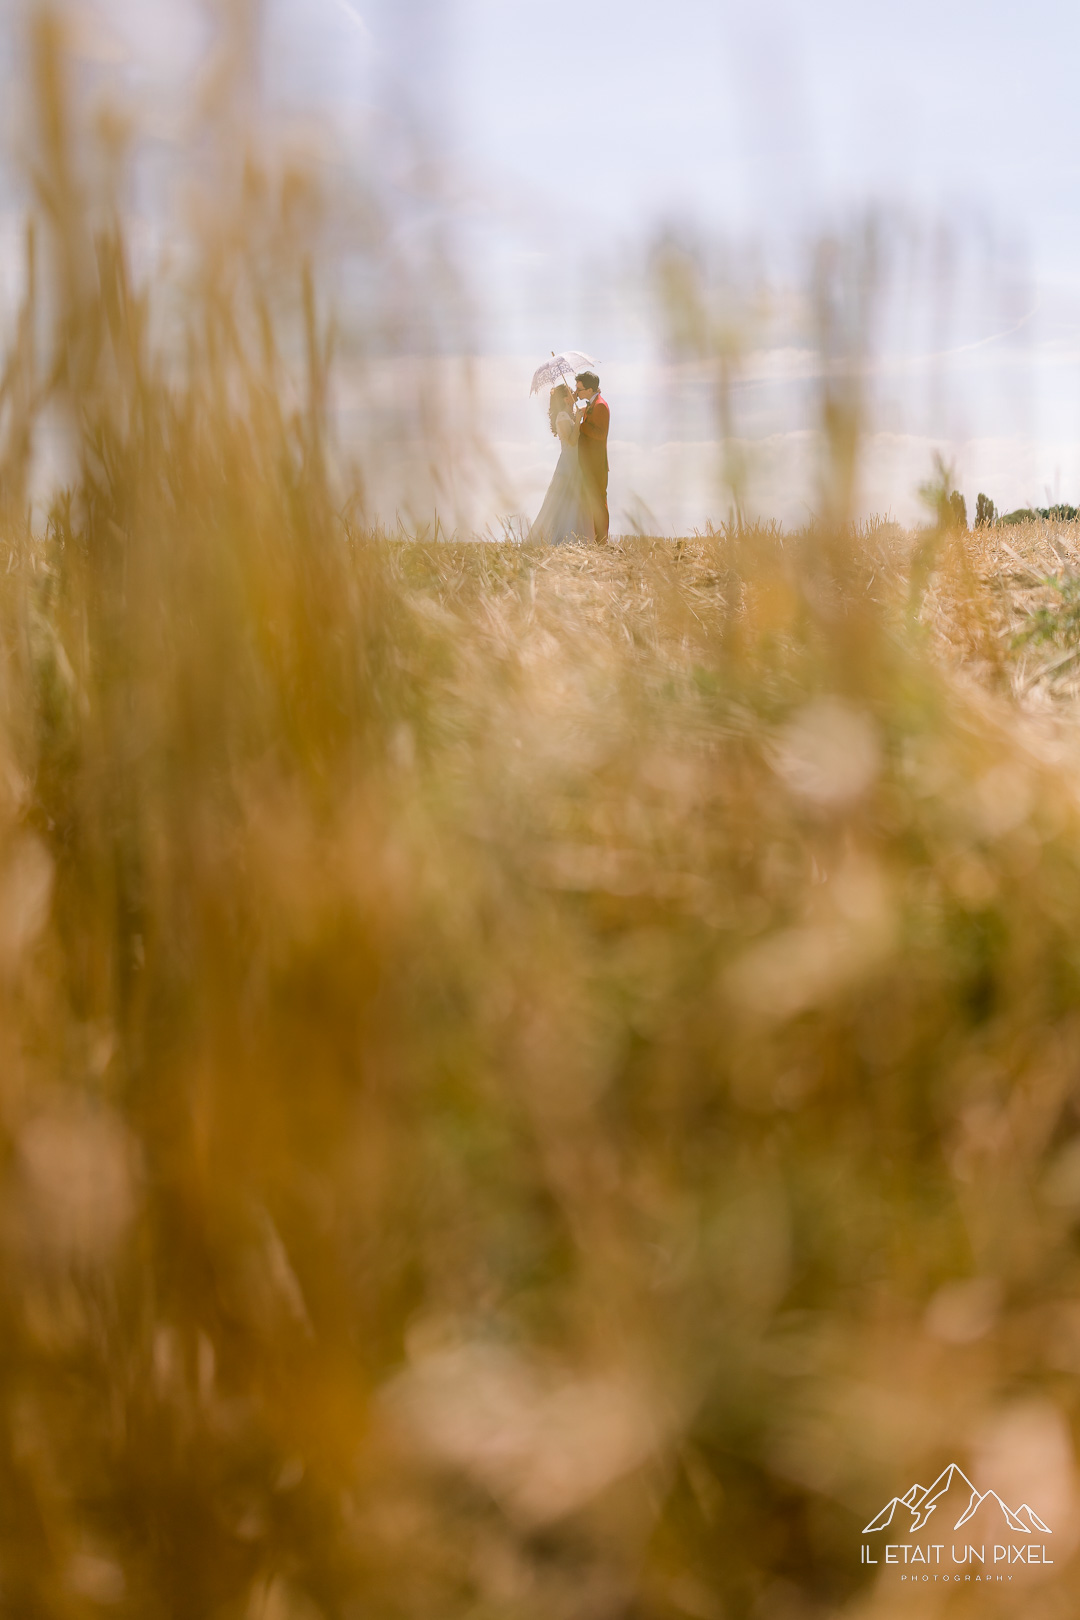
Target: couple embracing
point(575, 506)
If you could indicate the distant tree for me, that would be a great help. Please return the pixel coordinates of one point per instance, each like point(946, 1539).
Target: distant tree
point(1030, 514)
point(985, 511)
point(957, 513)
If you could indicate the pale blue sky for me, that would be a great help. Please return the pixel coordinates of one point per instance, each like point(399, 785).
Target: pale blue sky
point(769, 113)
point(570, 132)
point(772, 112)
point(581, 128)
point(767, 116)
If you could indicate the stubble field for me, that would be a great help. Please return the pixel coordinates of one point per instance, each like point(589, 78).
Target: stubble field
point(532, 1084)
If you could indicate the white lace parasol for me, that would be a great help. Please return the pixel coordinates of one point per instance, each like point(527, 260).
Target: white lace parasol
point(562, 367)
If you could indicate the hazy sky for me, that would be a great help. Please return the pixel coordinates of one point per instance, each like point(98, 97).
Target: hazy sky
point(746, 110)
point(570, 132)
point(762, 115)
point(585, 126)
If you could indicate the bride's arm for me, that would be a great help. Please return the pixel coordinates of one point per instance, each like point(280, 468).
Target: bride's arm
point(566, 428)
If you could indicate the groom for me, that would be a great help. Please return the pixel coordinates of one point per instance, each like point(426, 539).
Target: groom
point(594, 420)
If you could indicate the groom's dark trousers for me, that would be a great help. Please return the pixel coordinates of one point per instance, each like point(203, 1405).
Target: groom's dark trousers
point(592, 456)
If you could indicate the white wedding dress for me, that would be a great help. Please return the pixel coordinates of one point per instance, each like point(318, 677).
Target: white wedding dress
point(564, 516)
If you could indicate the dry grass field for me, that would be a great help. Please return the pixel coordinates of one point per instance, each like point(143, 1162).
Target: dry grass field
point(533, 1085)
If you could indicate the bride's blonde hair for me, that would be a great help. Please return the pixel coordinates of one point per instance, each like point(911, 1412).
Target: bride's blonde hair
point(559, 401)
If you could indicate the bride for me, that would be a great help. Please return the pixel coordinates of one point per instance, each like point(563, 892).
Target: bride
point(564, 516)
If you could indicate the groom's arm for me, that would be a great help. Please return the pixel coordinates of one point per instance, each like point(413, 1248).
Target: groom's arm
point(596, 423)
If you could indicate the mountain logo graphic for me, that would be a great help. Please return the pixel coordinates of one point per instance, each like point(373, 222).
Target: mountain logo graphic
point(955, 1500)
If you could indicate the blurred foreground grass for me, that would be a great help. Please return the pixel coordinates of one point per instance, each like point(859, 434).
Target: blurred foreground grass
point(532, 1084)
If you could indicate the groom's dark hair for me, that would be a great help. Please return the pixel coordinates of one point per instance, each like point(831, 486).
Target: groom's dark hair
point(589, 378)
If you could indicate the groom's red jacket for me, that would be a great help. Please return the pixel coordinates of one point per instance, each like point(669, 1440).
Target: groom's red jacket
point(592, 455)
point(594, 432)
